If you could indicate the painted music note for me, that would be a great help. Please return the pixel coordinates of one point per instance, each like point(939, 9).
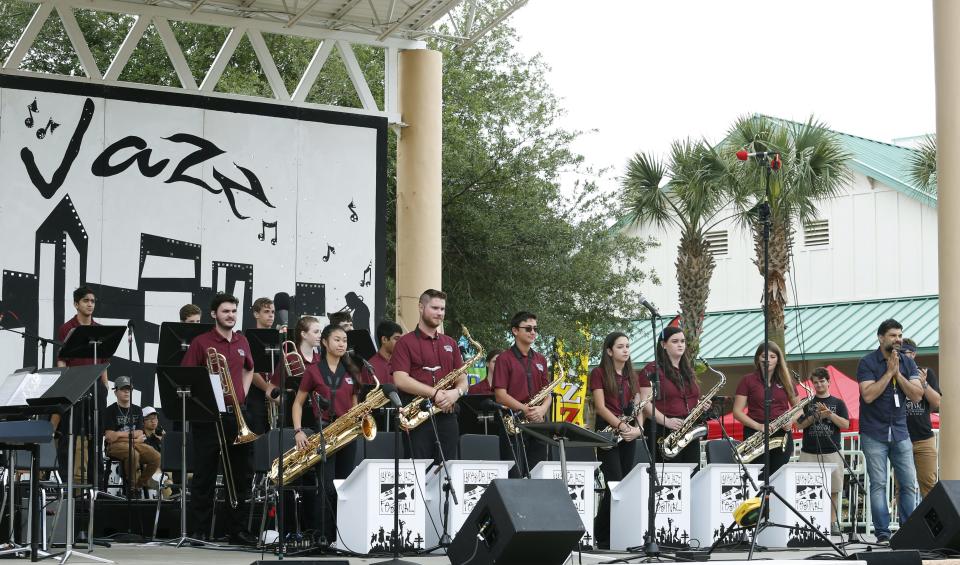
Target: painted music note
point(31, 108)
point(367, 275)
point(51, 125)
point(262, 236)
point(353, 211)
point(330, 251)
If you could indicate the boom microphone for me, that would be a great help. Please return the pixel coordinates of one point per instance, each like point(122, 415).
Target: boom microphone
point(743, 154)
point(391, 391)
point(491, 404)
point(275, 392)
point(281, 302)
point(649, 306)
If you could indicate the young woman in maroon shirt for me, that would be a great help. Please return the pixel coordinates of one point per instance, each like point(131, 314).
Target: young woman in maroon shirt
point(615, 385)
point(334, 377)
point(679, 390)
point(750, 395)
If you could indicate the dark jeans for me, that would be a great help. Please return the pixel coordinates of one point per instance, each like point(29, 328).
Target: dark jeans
point(615, 464)
point(778, 457)
point(257, 410)
point(424, 442)
point(206, 456)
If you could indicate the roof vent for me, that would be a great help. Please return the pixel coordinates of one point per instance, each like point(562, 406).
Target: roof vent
point(718, 242)
point(816, 233)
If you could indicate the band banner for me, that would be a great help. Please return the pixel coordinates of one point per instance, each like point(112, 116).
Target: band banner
point(571, 394)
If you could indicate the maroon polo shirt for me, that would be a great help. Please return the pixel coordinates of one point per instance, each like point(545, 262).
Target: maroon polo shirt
point(416, 350)
point(236, 351)
point(520, 375)
point(751, 386)
point(64, 333)
point(482, 387)
point(336, 385)
point(674, 401)
point(616, 403)
point(313, 382)
point(381, 367)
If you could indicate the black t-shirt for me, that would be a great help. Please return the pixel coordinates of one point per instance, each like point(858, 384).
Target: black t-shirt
point(817, 437)
point(154, 442)
point(918, 413)
point(118, 419)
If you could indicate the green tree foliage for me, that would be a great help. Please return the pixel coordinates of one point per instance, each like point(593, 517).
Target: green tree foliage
point(513, 238)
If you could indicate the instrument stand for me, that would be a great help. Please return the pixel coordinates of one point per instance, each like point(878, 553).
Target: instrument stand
point(513, 451)
point(852, 534)
point(176, 385)
point(745, 478)
point(395, 537)
point(448, 491)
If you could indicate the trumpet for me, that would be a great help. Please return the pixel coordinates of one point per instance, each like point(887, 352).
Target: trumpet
point(294, 365)
point(217, 365)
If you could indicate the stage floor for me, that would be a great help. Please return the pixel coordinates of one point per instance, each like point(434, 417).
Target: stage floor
point(155, 554)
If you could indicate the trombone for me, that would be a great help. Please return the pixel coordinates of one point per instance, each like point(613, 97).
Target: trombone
point(295, 367)
point(217, 365)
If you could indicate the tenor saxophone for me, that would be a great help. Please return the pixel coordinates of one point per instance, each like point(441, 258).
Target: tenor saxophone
point(692, 428)
point(512, 423)
point(355, 422)
point(752, 447)
point(413, 414)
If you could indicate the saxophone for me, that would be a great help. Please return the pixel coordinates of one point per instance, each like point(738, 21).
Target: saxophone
point(691, 429)
point(632, 418)
point(752, 447)
point(512, 423)
point(412, 415)
point(333, 438)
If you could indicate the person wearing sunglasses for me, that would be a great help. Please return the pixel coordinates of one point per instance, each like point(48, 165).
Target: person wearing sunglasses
point(520, 373)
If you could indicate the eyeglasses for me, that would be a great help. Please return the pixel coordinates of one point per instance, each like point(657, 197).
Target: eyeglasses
point(528, 329)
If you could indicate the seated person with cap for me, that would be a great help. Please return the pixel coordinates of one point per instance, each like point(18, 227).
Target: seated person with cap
point(152, 429)
point(122, 421)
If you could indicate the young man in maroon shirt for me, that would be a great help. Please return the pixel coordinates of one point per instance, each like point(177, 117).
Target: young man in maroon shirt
point(235, 348)
point(85, 302)
point(264, 313)
point(519, 374)
point(420, 359)
point(388, 334)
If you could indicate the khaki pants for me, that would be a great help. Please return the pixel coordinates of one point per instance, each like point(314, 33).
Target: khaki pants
point(925, 460)
point(142, 454)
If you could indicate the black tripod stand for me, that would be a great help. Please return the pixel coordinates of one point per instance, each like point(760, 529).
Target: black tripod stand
point(770, 162)
point(448, 490)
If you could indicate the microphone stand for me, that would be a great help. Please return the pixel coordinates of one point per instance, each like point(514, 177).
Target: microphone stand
point(650, 547)
point(130, 537)
point(42, 343)
point(448, 489)
point(513, 451)
point(395, 538)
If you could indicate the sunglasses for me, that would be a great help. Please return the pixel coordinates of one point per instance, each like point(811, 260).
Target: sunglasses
point(529, 329)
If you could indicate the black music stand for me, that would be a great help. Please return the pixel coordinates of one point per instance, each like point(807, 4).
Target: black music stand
point(186, 394)
point(97, 343)
point(476, 418)
point(563, 435)
point(73, 383)
point(265, 348)
point(175, 338)
point(361, 343)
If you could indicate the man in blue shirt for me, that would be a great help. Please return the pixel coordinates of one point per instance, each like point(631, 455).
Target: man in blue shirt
point(887, 380)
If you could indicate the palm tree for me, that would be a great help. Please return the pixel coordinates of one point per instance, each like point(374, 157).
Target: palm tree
point(814, 168)
point(690, 201)
point(922, 166)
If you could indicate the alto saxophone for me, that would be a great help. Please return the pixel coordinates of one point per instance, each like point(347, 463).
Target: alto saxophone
point(512, 423)
point(630, 419)
point(354, 422)
point(752, 447)
point(412, 415)
point(691, 429)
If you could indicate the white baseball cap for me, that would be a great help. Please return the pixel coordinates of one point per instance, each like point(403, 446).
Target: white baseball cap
point(149, 410)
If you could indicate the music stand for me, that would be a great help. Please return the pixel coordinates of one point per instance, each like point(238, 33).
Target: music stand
point(186, 393)
point(265, 348)
point(361, 343)
point(175, 338)
point(476, 414)
point(97, 343)
point(563, 435)
point(72, 384)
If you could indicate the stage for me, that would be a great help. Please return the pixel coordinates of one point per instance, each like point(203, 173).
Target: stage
point(155, 554)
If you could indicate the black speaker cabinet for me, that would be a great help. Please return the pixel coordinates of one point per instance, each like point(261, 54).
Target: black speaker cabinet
point(519, 521)
point(894, 557)
point(936, 521)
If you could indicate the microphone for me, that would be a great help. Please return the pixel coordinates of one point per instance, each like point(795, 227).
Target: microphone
point(130, 330)
point(281, 302)
point(649, 306)
point(391, 392)
point(275, 392)
point(322, 402)
point(491, 404)
point(743, 154)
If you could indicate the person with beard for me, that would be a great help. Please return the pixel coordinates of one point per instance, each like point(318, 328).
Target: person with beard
point(887, 381)
point(420, 359)
point(236, 350)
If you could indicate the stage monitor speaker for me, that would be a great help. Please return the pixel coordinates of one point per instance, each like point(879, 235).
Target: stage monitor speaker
point(894, 557)
point(519, 521)
point(935, 523)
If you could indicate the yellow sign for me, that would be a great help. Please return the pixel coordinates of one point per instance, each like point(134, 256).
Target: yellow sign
point(572, 393)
